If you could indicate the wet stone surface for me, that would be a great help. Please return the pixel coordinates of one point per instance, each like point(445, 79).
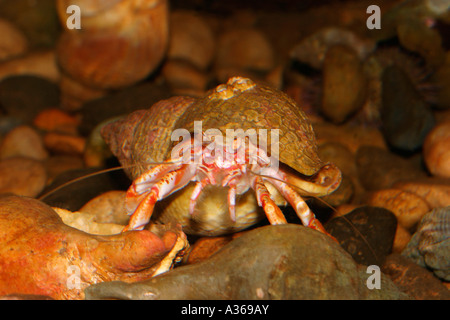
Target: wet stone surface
point(367, 233)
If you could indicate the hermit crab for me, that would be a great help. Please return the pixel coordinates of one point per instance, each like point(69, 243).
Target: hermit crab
point(210, 163)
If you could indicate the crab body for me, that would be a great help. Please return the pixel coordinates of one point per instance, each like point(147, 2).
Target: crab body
point(212, 186)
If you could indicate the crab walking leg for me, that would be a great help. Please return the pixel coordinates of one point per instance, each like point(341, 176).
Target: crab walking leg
point(196, 193)
point(271, 210)
point(168, 184)
point(230, 181)
point(301, 208)
point(144, 182)
point(232, 200)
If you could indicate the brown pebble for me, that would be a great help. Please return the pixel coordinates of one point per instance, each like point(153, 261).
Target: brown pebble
point(408, 207)
point(344, 84)
point(436, 150)
point(351, 136)
point(182, 75)
point(56, 120)
point(22, 176)
point(244, 48)
point(434, 190)
point(402, 237)
point(204, 247)
point(23, 141)
point(108, 207)
point(64, 144)
point(40, 63)
point(12, 42)
point(58, 164)
point(191, 39)
point(414, 280)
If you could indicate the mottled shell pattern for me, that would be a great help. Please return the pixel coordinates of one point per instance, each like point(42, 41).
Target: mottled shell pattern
point(145, 135)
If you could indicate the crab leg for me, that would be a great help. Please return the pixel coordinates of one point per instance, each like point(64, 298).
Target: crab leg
point(142, 184)
point(146, 192)
point(272, 211)
point(232, 200)
point(301, 208)
point(196, 193)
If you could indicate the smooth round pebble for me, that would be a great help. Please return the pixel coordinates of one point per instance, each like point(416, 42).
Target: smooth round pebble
point(406, 118)
point(191, 39)
point(22, 176)
point(402, 237)
point(436, 150)
point(64, 143)
point(108, 207)
point(436, 192)
point(23, 141)
point(180, 74)
point(244, 48)
point(344, 84)
point(367, 233)
point(12, 42)
point(54, 119)
point(381, 169)
point(408, 207)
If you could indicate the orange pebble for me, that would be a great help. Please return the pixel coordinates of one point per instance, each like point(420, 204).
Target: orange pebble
point(56, 120)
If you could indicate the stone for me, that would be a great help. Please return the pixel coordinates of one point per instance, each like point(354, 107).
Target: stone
point(54, 119)
point(191, 39)
point(430, 244)
point(435, 191)
point(41, 63)
point(350, 135)
point(441, 78)
point(182, 76)
point(22, 176)
point(401, 240)
point(244, 48)
point(313, 49)
point(125, 101)
point(381, 169)
point(344, 84)
point(414, 280)
point(86, 222)
point(25, 96)
point(408, 207)
point(205, 247)
point(416, 36)
point(406, 118)
point(108, 207)
point(23, 141)
point(40, 23)
point(60, 143)
point(270, 263)
point(13, 42)
point(367, 233)
point(436, 150)
point(41, 255)
point(58, 164)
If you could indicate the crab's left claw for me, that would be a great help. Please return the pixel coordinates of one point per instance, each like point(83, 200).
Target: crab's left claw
point(153, 185)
